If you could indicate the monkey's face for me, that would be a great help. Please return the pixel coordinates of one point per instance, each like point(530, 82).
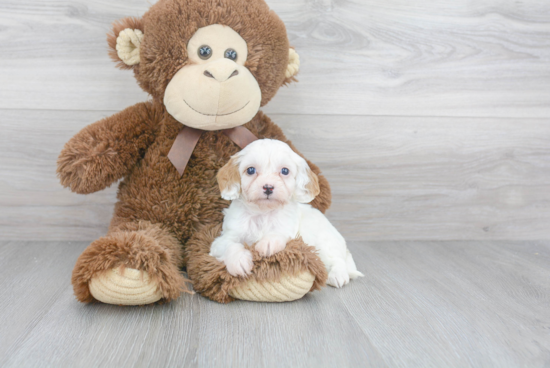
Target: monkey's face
point(214, 90)
point(212, 63)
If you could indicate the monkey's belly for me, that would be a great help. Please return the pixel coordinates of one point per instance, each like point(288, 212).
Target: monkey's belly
point(158, 195)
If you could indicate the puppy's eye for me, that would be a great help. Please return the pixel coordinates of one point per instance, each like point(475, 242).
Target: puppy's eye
point(251, 171)
point(231, 54)
point(204, 52)
point(284, 171)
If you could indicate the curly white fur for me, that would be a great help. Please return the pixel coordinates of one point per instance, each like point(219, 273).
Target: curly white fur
point(273, 216)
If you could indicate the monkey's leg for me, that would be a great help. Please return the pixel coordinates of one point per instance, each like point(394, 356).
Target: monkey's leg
point(136, 263)
point(285, 276)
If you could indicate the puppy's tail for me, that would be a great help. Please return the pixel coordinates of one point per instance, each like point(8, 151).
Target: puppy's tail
point(351, 267)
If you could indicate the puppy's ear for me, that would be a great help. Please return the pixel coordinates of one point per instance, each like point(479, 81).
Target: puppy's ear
point(307, 183)
point(229, 180)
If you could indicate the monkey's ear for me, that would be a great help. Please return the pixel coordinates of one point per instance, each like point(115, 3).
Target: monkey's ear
point(124, 42)
point(229, 180)
point(293, 66)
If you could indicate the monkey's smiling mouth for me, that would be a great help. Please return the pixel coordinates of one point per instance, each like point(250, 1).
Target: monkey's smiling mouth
point(229, 113)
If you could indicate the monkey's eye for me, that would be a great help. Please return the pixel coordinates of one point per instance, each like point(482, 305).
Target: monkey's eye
point(204, 52)
point(284, 171)
point(231, 54)
point(251, 171)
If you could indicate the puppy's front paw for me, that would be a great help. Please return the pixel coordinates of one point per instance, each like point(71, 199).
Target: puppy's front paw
point(338, 277)
point(238, 262)
point(270, 245)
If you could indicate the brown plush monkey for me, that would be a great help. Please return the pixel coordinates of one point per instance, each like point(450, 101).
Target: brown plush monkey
point(208, 65)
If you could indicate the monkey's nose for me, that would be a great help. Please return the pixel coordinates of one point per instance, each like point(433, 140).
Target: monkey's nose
point(219, 76)
point(268, 189)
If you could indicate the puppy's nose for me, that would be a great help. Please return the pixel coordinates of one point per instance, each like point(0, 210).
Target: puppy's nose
point(268, 189)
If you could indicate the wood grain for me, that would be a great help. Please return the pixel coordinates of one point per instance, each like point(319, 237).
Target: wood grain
point(33, 276)
point(401, 177)
point(392, 178)
point(375, 57)
point(430, 120)
point(421, 304)
point(431, 178)
point(454, 304)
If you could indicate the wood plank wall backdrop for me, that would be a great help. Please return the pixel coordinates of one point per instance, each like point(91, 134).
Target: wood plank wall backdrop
point(431, 119)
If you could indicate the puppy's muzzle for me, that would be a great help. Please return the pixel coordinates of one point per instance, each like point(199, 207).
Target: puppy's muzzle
point(268, 189)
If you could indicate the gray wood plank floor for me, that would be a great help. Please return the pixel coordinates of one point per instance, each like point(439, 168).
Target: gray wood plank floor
point(421, 304)
point(431, 121)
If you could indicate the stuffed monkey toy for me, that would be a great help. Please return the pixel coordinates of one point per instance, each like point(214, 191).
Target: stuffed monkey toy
point(208, 65)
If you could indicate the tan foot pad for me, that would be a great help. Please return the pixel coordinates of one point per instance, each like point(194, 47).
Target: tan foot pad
point(287, 289)
point(131, 287)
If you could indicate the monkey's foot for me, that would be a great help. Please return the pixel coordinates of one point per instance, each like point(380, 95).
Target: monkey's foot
point(125, 287)
point(136, 264)
point(284, 276)
point(286, 289)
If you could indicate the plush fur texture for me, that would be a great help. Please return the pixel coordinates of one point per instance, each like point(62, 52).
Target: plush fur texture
point(139, 245)
point(119, 26)
point(152, 191)
point(169, 24)
point(270, 208)
point(157, 212)
point(210, 277)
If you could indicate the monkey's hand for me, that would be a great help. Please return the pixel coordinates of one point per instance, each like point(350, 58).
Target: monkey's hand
point(106, 151)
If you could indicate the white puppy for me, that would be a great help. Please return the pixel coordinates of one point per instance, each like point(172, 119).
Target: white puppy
point(270, 185)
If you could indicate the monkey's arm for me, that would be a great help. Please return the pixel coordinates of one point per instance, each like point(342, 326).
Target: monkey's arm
point(263, 127)
point(107, 150)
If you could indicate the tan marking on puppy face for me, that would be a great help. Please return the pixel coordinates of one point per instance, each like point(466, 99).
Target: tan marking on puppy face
point(267, 186)
point(313, 185)
point(229, 180)
point(254, 187)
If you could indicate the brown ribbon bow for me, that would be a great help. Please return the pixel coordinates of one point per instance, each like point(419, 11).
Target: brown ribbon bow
point(187, 139)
